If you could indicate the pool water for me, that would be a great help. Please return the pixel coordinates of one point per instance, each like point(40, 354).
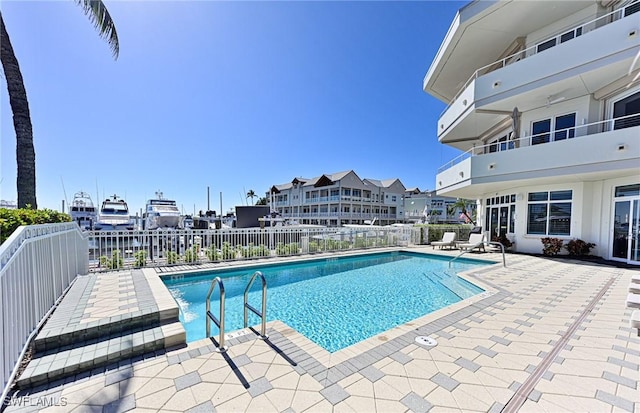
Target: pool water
point(335, 302)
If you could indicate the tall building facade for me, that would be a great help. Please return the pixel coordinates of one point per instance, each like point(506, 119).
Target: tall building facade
point(543, 100)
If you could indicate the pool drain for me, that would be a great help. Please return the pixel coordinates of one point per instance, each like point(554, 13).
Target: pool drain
point(426, 341)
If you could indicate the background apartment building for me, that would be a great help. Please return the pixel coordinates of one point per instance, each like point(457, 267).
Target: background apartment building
point(429, 207)
point(338, 199)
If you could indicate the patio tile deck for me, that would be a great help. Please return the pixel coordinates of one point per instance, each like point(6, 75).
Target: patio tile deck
point(488, 348)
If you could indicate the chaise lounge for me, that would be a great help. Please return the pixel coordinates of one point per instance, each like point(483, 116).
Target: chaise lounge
point(475, 241)
point(448, 240)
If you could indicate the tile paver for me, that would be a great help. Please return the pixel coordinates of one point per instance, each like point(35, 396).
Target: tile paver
point(486, 349)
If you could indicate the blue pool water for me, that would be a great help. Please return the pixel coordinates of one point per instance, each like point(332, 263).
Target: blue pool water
point(335, 302)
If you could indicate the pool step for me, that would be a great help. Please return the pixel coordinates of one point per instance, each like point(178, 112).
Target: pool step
point(49, 339)
point(101, 320)
point(100, 353)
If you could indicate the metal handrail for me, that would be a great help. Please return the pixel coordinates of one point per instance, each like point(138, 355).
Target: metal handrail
point(262, 314)
point(504, 260)
point(210, 317)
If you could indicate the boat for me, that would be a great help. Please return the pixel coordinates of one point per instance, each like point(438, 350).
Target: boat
point(83, 211)
point(161, 213)
point(114, 215)
point(187, 222)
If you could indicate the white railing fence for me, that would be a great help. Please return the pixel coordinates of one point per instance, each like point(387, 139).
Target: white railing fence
point(109, 250)
point(37, 264)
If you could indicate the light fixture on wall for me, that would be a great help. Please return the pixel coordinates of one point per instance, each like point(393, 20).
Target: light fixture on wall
point(492, 166)
point(554, 99)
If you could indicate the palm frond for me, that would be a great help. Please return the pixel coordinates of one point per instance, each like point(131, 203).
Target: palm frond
point(101, 19)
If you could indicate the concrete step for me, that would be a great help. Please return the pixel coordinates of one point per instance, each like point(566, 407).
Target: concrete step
point(51, 339)
point(99, 353)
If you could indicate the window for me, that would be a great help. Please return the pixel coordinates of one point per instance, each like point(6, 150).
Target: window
point(393, 198)
point(549, 213)
point(500, 144)
point(626, 108)
point(631, 9)
point(563, 128)
point(628, 190)
point(546, 45)
point(541, 131)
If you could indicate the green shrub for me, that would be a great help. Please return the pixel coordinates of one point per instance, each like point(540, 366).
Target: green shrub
point(172, 257)
point(551, 246)
point(246, 252)
point(141, 258)
point(579, 247)
point(11, 219)
point(191, 254)
point(261, 251)
point(502, 239)
point(228, 252)
point(362, 242)
point(314, 246)
point(281, 249)
point(294, 248)
point(287, 249)
point(116, 261)
point(212, 254)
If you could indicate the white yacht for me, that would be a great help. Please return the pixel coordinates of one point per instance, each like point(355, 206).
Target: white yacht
point(114, 216)
point(161, 213)
point(83, 211)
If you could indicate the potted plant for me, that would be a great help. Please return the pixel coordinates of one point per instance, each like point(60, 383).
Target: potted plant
point(551, 246)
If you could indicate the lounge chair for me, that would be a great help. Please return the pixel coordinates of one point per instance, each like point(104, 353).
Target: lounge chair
point(634, 321)
point(633, 300)
point(634, 288)
point(635, 278)
point(448, 240)
point(475, 241)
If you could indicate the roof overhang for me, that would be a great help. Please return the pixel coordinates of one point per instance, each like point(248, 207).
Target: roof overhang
point(479, 34)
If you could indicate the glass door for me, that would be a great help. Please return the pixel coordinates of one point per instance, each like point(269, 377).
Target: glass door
point(626, 227)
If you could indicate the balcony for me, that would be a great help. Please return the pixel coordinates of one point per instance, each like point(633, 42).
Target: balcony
point(577, 61)
point(595, 151)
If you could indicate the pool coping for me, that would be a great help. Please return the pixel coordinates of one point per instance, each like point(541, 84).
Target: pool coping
point(329, 359)
point(330, 367)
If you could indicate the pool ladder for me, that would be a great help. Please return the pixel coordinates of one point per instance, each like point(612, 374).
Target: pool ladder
point(220, 322)
point(262, 314)
point(210, 317)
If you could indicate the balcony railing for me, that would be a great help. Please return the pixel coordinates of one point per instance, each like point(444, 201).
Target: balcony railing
point(548, 43)
point(574, 132)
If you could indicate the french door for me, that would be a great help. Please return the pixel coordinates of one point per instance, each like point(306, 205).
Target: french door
point(626, 225)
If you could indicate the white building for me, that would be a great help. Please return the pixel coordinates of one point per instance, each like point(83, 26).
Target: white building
point(338, 199)
point(428, 206)
point(544, 100)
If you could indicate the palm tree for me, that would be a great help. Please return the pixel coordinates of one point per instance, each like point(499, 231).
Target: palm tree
point(25, 152)
point(251, 194)
point(261, 201)
point(462, 205)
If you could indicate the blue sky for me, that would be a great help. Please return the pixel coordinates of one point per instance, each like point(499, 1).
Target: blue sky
point(228, 95)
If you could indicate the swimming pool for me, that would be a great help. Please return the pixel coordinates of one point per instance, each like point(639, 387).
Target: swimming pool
point(335, 302)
